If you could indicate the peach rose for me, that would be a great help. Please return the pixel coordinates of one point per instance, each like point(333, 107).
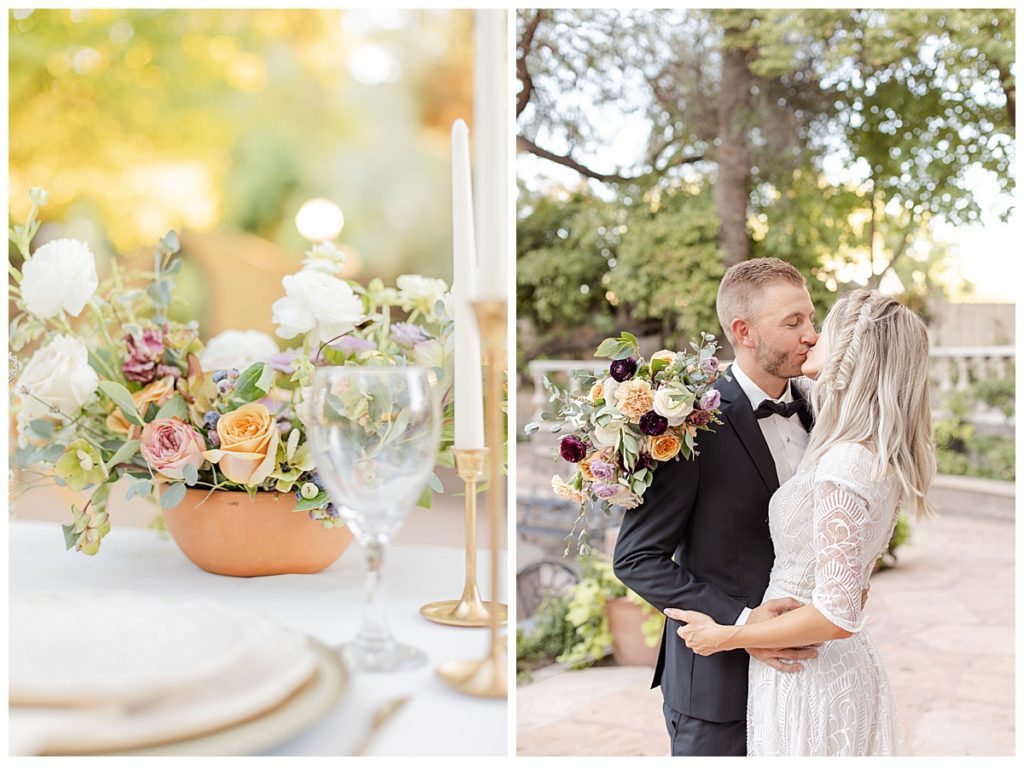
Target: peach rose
point(158, 392)
point(663, 447)
point(248, 445)
point(169, 444)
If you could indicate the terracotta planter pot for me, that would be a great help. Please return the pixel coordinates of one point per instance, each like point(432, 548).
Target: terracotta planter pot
point(233, 535)
point(628, 647)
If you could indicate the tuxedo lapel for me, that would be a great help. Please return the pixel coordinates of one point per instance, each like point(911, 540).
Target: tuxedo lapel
point(737, 410)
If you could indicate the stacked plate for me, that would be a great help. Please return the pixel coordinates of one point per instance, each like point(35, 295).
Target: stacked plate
point(130, 673)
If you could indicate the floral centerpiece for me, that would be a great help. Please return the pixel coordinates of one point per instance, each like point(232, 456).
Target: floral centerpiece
point(641, 414)
point(129, 393)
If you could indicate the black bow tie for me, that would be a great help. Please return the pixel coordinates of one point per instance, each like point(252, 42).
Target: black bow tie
point(768, 407)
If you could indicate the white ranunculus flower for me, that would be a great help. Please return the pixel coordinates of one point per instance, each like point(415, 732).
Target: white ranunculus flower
point(237, 349)
point(324, 257)
point(318, 303)
point(58, 374)
point(673, 403)
point(60, 276)
point(605, 435)
point(420, 292)
point(608, 387)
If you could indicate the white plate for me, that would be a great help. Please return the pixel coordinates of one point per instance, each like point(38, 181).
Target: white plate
point(117, 647)
point(249, 736)
point(268, 665)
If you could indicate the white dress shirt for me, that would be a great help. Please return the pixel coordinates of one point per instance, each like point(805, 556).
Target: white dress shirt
point(786, 438)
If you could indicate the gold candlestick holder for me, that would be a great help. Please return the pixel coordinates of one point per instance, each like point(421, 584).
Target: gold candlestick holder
point(469, 610)
point(489, 676)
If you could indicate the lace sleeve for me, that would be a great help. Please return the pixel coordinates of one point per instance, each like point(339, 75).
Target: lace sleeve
point(841, 520)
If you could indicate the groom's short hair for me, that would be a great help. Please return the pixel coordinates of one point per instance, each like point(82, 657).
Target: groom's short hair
point(742, 284)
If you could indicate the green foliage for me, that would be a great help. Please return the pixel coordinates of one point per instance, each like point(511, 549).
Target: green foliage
point(669, 263)
point(962, 451)
point(563, 251)
point(998, 393)
point(550, 636)
point(592, 637)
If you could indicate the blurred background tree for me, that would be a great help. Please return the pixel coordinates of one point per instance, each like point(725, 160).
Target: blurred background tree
point(221, 123)
point(839, 140)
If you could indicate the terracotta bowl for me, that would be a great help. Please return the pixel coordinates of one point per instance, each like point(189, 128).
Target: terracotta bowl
point(234, 535)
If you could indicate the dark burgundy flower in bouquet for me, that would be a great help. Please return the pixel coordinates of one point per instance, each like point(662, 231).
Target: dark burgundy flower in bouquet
point(623, 369)
point(572, 449)
point(653, 424)
point(699, 417)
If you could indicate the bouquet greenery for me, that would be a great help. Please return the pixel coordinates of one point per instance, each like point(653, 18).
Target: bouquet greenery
point(641, 414)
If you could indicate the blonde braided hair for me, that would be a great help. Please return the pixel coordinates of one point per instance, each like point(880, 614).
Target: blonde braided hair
point(873, 390)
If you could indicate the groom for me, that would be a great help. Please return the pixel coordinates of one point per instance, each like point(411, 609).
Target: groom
point(700, 541)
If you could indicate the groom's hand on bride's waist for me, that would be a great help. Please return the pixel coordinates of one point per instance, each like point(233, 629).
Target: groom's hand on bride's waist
point(780, 659)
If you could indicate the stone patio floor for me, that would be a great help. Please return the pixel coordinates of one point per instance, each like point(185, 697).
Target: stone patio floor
point(943, 620)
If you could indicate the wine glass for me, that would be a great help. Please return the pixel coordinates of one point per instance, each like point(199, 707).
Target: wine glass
point(375, 434)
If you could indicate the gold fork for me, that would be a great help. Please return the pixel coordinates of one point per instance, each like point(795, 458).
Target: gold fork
point(381, 715)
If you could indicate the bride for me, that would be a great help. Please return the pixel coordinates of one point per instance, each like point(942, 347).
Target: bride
point(870, 455)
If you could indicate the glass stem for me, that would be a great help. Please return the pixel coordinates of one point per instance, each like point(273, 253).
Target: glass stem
point(374, 634)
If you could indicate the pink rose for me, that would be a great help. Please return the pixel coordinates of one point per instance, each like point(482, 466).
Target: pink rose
point(169, 444)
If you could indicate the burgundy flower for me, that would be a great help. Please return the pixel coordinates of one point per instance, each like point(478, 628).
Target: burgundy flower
point(653, 424)
point(623, 369)
point(143, 355)
point(699, 417)
point(572, 449)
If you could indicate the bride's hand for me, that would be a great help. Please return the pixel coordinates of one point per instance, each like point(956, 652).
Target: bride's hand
point(702, 634)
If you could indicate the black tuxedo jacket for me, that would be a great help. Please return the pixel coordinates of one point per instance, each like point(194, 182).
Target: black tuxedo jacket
point(700, 542)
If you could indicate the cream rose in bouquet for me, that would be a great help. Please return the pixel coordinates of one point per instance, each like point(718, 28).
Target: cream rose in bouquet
point(129, 394)
point(641, 414)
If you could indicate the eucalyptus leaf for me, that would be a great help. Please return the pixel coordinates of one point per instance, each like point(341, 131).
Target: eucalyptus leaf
point(435, 483)
point(42, 428)
point(191, 473)
point(172, 495)
point(122, 399)
point(175, 407)
point(127, 450)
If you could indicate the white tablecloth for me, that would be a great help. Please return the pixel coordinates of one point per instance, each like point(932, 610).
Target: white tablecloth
point(328, 606)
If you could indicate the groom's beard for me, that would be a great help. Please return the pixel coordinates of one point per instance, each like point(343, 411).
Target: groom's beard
point(776, 363)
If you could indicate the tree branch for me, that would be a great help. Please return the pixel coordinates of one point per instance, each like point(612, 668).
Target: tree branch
point(523, 49)
point(525, 144)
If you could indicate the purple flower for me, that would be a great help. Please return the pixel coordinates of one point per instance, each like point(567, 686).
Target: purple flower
point(572, 449)
point(699, 417)
point(709, 365)
point(601, 470)
point(623, 369)
point(653, 424)
point(407, 335)
point(284, 361)
point(710, 400)
point(143, 354)
point(162, 370)
point(350, 345)
point(606, 490)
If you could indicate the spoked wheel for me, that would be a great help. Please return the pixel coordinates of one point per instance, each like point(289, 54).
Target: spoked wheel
point(538, 580)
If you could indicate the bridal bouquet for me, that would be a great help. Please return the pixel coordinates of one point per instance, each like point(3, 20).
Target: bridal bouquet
point(133, 394)
point(641, 414)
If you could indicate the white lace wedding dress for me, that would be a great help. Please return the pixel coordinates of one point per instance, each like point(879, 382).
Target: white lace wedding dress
point(829, 525)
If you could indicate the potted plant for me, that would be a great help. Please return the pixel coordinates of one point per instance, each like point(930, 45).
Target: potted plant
point(605, 615)
point(215, 434)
